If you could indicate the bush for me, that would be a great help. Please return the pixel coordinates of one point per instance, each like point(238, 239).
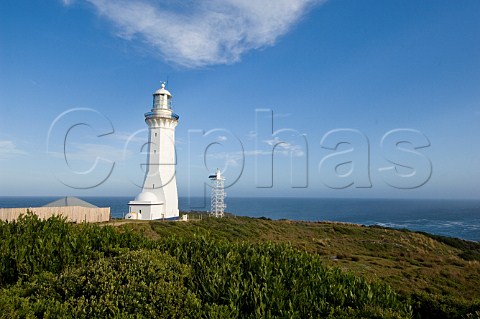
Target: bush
point(271, 280)
point(52, 269)
point(428, 306)
point(31, 246)
point(470, 249)
point(140, 284)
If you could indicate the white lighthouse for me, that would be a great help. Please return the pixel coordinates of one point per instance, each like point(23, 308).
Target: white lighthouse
point(159, 197)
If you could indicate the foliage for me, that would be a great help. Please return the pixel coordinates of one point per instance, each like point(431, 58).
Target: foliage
point(52, 269)
point(470, 249)
point(139, 284)
point(279, 281)
point(430, 306)
point(31, 246)
point(428, 269)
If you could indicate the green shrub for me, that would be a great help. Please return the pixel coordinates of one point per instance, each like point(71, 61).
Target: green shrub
point(140, 284)
point(30, 245)
point(429, 306)
point(470, 249)
point(52, 269)
point(271, 280)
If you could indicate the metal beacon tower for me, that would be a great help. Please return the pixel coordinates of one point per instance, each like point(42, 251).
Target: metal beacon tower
point(159, 197)
point(218, 194)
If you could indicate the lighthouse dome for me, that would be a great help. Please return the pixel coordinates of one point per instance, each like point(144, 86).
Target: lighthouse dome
point(146, 197)
point(162, 90)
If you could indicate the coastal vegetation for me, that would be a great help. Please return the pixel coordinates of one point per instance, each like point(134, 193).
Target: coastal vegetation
point(232, 268)
point(440, 276)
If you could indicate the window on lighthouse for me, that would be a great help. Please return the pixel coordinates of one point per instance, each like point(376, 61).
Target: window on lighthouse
point(162, 100)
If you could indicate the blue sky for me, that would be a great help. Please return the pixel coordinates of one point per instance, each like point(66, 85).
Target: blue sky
point(339, 78)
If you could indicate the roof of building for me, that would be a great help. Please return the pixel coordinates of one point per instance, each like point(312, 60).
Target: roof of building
point(146, 197)
point(70, 201)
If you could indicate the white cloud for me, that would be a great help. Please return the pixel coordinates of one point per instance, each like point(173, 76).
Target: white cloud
point(8, 150)
point(285, 148)
point(200, 33)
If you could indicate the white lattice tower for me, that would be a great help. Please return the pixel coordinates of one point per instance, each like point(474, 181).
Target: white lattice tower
point(218, 194)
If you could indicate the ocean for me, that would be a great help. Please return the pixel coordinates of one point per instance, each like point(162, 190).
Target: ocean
point(454, 218)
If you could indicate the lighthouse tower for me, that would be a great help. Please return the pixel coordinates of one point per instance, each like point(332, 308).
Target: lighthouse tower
point(159, 197)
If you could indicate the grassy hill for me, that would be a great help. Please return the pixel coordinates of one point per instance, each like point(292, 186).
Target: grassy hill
point(440, 274)
point(232, 268)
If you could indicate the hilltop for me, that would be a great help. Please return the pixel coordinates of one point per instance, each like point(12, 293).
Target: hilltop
point(232, 268)
point(441, 274)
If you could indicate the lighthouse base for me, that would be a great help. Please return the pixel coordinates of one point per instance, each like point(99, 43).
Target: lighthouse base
point(145, 211)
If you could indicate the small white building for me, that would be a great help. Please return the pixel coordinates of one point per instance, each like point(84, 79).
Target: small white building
point(159, 197)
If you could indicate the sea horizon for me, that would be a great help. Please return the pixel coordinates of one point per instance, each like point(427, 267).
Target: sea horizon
point(447, 217)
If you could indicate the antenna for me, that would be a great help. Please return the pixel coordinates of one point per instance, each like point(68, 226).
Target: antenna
point(218, 194)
